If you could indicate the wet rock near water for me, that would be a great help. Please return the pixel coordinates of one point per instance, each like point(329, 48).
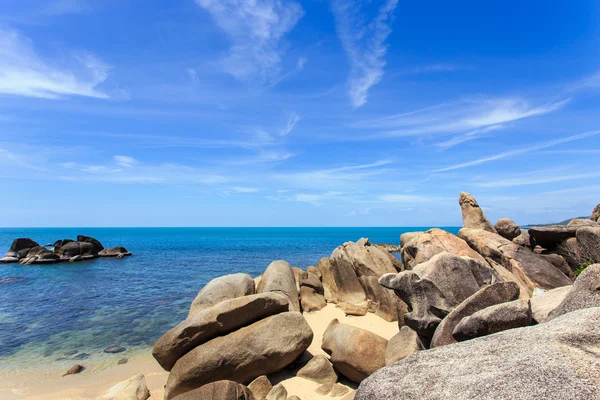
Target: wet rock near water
point(75, 369)
point(114, 349)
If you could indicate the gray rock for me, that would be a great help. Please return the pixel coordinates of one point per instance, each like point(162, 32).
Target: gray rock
point(311, 300)
point(472, 215)
point(221, 390)
point(219, 320)
point(402, 345)
point(571, 252)
point(40, 255)
point(585, 293)
point(559, 262)
point(556, 360)
point(319, 369)
point(262, 348)
point(507, 228)
point(73, 249)
point(279, 278)
point(311, 280)
point(543, 304)
point(356, 353)
point(365, 259)
point(588, 239)
point(220, 289)
point(549, 237)
point(386, 304)
point(97, 246)
point(487, 296)
point(340, 282)
point(498, 318)
point(260, 387)
point(114, 349)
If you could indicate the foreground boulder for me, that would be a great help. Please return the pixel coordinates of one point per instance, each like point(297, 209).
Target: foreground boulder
point(422, 246)
point(498, 318)
point(402, 345)
point(554, 360)
point(340, 283)
point(311, 300)
point(260, 387)
point(507, 228)
point(133, 388)
point(487, 296)
point(585, 293)
point(222, 288)
point(219, 320)
point(472, 215)
point(543, 304)
point(262, 348)
point(356, 353)
point(220, 390)
point(319, 369)
point(279, 278)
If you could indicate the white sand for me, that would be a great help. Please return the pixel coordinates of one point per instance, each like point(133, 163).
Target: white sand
point(36, 383)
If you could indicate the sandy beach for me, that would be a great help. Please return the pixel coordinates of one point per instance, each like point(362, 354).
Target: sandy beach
point(37, 383)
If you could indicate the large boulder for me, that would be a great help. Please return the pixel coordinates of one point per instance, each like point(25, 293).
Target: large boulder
point(507, 228)
point(263, 348)
point(17, 248)
point(523, 239)
point(402, 345)
point(588, 239)
point(220, 390)
point(549, 237)
point(571, 252)
point(72, 249)
point(387, 305)
point(222, 288)
point(487, 296)
point(580, 222)
point(472, 215)
point(585, 293)
point(340, 282)
point(365, 259)
point(219, 320)
point(554, 360)
point(279, 278)
point(425, 245)
point(543, 303)
point(559, 262)
point(95, 242)
point(596, 214)
point(497, 318)
point(319, 369)
point(407, 237)
point(356, 353)
point(515, 263)
point(133, 388)
point(311, 300)
point(311, 280)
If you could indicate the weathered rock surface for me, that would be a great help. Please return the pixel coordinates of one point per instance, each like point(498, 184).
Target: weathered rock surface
point(523, 266)
point(424, 245)
point(487, 296)
point(507, 228)
point(260, 387)
point(549, 237)
point(355, 353)
point(357, 310)
point(472, 215)
point(402, 345)
point(96, 245)
point(312, 281)
point(39, 255)
point(556, 360)
point(585, 293)
point(133, 388)
point(18, 245)
point(340, 282)
point(222, 288)
point(73, 249)
point(220, 390)
point(365, 259)
point(543, 304)
point(523, 239)
point(279, 278)
point(311, 300)
point(221, 319)
point(262, 348)
point(332, 390)
point(559, 262)
point(596, 214)
point(278, 392)
point(118, 251)
point(407, 237)
point(501, 317)
point(319, 369)
point(387, 305)
point(588, 239)
point(75, 369)
point(583, 222)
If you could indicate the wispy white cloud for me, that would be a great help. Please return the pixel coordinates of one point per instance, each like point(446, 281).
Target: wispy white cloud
point(125, 161)
point(25, 73)
point(364, 44)
point(291, 124)
point(245, 189)
point(520, 151)
point(256, 29)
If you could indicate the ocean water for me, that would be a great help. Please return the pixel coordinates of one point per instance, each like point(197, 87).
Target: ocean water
point(66, 311)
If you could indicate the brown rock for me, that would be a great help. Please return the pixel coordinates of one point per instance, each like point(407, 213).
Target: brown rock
point(355, 353)
point(220, 390)
point(596, 214)
point(365, 259)
point(17, 247)
point(75, 369)
point(472, 214)
point(543, 304)
point(262, 348)
point(523, 239)
point(507, 228)
point(549, 237)
point(340, 282)
point(314, 270)
point(279, 278)
point(571, 252)
point(319, 370)
point(311, 300)
point(559, 262)
point(402, 345)
point(588, 239)
point(114, 252)
point(277, 393)
point(385, 303)
point(311, 280)
point(585, 293)
point(134, 388)
point(583, 222)
point(219, 320)
point(407, 237)
point(260, 387)
point(220, 289)
point(353, 309)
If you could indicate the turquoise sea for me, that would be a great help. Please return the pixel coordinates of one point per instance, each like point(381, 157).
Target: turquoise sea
point(55, 311)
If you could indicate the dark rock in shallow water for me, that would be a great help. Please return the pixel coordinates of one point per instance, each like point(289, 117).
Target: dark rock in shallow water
point(118, 252)
point(82, 356)
point(114, 349)
point(95, 242)
point(75, 369)
point(71, 353)
point(19, 245)
point(73, 249)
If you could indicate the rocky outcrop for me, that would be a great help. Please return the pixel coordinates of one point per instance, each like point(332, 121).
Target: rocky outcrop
point(365, 259)
point(498, 318)
point(18, 250)
point(402, 345)
point(542, 304)
point(96, 245)
point(487, 296)
point(424, 245)
point(385, 302)
point(585, 293)
point(133, 388)
point(554, 360)
point(549, 237)
point(39, 255)
point(219, 320)
point(118, 252)
point(588, 239)
point(355, 353)
point(279, 278)
point(507, 228)
point(262, 348)
point(472, 215)
point(319, 369)
point(84, 249)
point(340, 283)
point(222, 288)
point(515, 263)
point(220, 390)
point(596, 214)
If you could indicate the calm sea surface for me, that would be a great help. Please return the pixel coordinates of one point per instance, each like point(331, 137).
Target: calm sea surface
point(75, 310)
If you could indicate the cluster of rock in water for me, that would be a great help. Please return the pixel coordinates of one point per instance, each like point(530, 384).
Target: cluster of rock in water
point(27, 252)
point(500, 306)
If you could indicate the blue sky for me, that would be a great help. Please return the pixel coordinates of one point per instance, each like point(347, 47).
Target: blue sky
point(296, 113)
